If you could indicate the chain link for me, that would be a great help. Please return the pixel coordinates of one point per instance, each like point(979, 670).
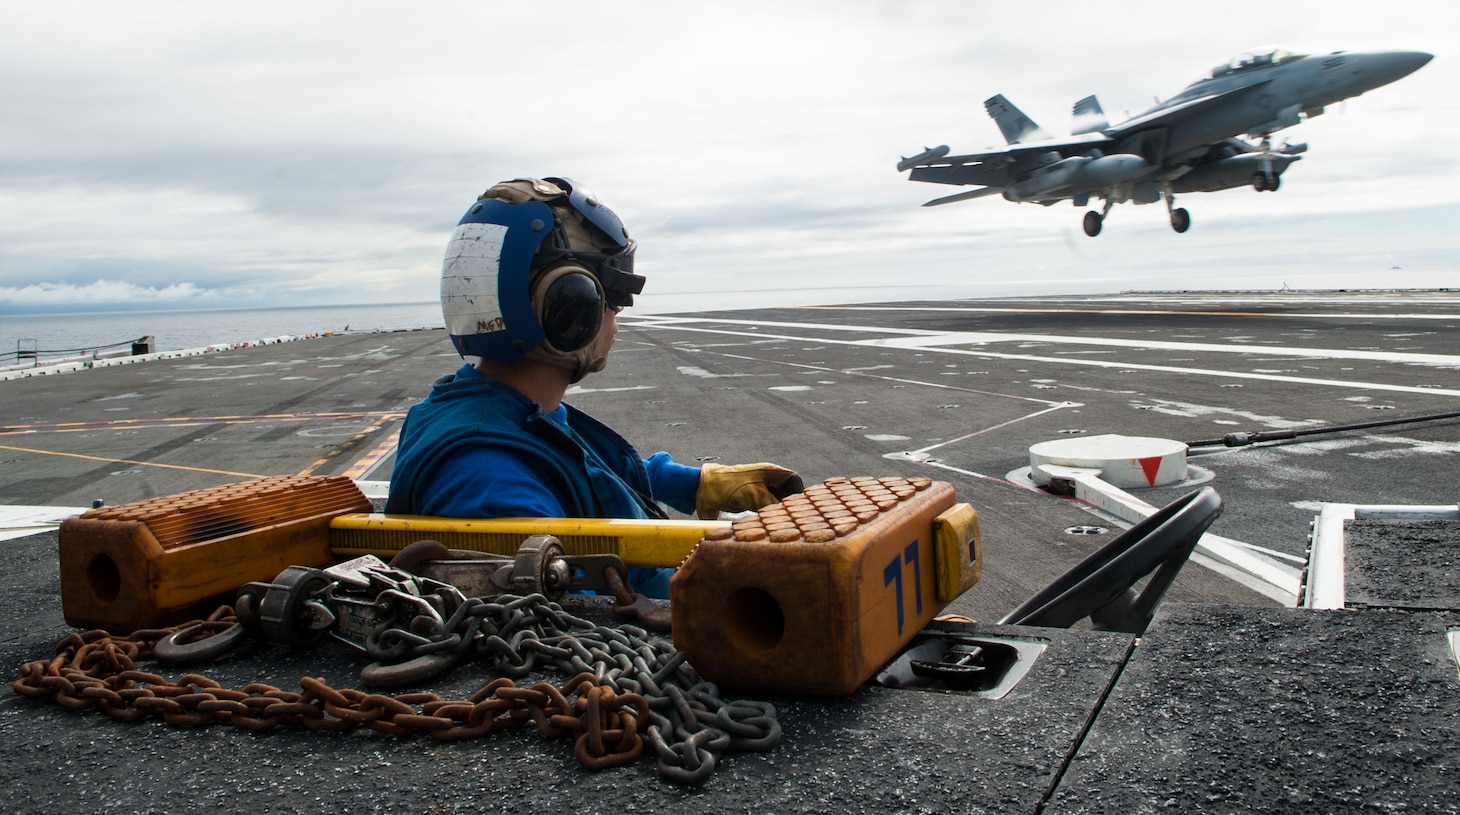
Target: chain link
point(624, 680)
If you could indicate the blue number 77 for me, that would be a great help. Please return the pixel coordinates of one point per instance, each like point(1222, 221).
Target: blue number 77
point(893, 574)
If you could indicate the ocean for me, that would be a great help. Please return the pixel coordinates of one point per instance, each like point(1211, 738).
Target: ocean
point(176, 330)
point(180, 330)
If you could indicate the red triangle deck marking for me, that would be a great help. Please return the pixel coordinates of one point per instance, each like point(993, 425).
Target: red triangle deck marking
point(1151, 466)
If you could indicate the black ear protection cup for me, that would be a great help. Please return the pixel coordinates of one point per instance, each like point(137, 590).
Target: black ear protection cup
point(569, 305)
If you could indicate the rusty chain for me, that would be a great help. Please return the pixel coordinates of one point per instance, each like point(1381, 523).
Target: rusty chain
point(624, 681)
point(691, 725)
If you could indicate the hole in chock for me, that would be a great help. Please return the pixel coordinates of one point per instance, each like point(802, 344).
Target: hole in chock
point(753, 619)
point(104, 578)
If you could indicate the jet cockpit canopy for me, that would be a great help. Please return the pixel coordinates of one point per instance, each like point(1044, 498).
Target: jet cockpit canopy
point(1255, 58)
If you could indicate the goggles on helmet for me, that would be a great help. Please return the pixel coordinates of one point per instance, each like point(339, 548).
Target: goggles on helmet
point(614, 270)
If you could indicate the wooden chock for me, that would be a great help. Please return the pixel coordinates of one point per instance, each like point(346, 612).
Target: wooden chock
point(815, 594)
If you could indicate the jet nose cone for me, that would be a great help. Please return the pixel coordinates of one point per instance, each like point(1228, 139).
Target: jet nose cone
point(1382, 67)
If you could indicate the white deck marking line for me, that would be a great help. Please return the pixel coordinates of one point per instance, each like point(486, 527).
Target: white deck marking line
point(904, 456)
point(923, 338)
point(1144, 311)
point(22, 521)
point(1015, 420)
point(685, 324)
point(958, 338)
point(865, 375)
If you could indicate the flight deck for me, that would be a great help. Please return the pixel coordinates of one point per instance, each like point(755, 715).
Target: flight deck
point(1233, 699)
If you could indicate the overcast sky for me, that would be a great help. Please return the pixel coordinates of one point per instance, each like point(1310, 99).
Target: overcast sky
point(190, 154)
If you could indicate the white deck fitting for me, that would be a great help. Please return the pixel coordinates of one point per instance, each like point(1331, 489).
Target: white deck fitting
point(1124, 461)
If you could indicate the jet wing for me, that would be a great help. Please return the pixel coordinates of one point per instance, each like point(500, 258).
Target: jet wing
point(981, 173)
point(997, 167)
point(1071, 146)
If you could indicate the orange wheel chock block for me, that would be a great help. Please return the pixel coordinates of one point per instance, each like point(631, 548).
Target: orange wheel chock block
point(815, 594)
point(152, 562)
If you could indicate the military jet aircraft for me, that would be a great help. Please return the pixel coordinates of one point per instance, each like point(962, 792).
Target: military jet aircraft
point(1192, 142)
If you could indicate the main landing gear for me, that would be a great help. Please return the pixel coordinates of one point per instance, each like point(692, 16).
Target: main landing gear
point(1094, 220)
point(1266, 180)
point(1180, 218)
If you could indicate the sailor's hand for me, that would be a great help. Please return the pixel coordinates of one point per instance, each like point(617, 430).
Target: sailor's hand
point(742, 487)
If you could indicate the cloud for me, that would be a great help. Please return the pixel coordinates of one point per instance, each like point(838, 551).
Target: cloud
point(322, 152)
point(100, 292)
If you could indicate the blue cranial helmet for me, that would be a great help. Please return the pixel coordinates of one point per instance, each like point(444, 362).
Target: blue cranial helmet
point(535, 260)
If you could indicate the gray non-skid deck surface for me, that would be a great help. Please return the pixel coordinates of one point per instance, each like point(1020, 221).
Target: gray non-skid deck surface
point(1225, 709)
point(1409, 564)
point(1220, 709)
point(881, 750)
point(1242, 709)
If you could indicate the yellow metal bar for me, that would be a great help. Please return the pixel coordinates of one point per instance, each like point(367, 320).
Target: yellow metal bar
point(657, 543)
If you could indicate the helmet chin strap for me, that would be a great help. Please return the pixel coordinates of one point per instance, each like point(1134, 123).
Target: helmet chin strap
point(581, 362)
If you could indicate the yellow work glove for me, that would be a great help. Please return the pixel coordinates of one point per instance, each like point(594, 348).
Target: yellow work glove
point(742, 487)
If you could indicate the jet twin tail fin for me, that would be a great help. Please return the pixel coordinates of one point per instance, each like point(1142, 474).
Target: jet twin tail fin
point(1089, 117)
point(1018, 128)
point(1012, 122)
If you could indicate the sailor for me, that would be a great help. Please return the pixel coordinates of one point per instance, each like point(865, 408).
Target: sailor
point(532, 283)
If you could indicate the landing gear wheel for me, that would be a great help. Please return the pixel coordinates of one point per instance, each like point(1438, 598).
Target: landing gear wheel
point(1101, 586)
point(1180, 220)
point(1266, 182)
point(540, 567)
point(1093, 221)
